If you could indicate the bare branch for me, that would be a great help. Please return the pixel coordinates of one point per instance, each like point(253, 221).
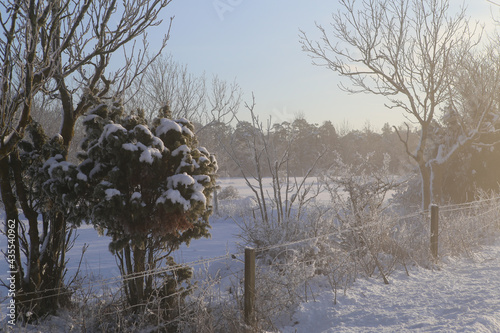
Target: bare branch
point(189, 96)
point(408, 51)
point(65, 47)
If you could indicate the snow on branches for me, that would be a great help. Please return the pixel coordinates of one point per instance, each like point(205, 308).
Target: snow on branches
point(145, 180)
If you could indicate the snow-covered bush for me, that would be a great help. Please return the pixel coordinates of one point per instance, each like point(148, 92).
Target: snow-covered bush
point(229, 193)
point(358, 192)
point(149, 189)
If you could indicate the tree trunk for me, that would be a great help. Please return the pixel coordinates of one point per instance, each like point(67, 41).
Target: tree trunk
point(32, 283)
point(129, 285)
point(139, 269)
point(437, 171)
point(425, 175)
point(150, 265)
point(11, 214)
point(135, 265)
point(34, 278)
point(424, 168)
point(52, 277)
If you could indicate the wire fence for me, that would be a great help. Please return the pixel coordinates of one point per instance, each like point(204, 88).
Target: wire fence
point(375, 248)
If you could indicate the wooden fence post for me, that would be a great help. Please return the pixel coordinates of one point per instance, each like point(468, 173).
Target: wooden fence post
point(249, 286)
point(434, 230)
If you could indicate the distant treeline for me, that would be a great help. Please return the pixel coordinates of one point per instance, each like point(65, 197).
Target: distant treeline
point(472, 170)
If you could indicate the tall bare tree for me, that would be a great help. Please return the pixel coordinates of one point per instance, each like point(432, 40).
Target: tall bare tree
point(61, 49)
point(194, 97)
point(408, 51)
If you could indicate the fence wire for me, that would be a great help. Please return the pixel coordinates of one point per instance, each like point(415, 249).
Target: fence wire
point(469, 214)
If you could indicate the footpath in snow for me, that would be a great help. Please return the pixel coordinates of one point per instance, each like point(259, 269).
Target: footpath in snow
point(459, 295)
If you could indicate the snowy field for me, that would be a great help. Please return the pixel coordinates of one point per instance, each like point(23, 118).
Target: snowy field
point(456, 295)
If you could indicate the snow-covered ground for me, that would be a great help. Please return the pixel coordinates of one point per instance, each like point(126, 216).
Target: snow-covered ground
point(456, 295)
point(460, 295)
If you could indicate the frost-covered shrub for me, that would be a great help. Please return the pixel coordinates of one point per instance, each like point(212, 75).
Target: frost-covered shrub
point(280, 206)
point(229, 193)
point(149, 188)
point(408, 196)
point(359, 192)
point(465, 228)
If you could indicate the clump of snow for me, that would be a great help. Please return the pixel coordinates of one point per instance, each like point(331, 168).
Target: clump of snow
point(57, 137)
point(130, 146)
point(204, 159)
point(95, 169)
point(81, 176)
point(97, 107)
point(148, 154)
point(187, 161)
point(181, 149)
point(203, 150)
point(90, 117)
point(144, 129)
point(157, 142)
point(175, 197)
point(182, 120)
point(202, 178)
point(187, 131)
point(199, 196)
point(110, 129)
point(56, 162)
point(183, 179)
point(111, 192)
point(167, 125)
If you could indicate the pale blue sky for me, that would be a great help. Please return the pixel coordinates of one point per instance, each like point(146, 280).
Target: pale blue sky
point(256, 43)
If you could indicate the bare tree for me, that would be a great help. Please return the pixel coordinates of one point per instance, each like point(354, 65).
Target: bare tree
point(61, 49)
point(168, 82)
point(283, 205)
point(64, 48)
point(409, 52)
point(188, 95)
